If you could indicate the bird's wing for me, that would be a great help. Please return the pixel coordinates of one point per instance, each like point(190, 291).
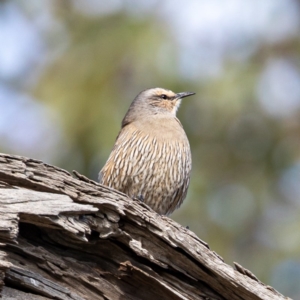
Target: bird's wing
point(119, 168)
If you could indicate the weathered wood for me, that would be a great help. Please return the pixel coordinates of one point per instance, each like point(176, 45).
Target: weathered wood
point(13, 294)
point(71, 238)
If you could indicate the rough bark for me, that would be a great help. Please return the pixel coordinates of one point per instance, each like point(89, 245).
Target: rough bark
point(70, 238)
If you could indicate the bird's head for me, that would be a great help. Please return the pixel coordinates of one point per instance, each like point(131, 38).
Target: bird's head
point(155, 101)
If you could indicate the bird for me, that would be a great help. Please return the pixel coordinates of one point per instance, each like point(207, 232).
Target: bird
point(151, 158)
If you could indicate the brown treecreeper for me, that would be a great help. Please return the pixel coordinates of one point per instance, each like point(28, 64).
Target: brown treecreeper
point(151, 158)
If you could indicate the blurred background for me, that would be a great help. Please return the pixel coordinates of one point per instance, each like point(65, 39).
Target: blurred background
point(70, 69)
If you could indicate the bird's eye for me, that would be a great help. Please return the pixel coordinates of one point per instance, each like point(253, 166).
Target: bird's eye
point(163, 96)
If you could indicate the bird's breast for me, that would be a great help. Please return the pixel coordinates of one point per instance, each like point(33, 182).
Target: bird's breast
point(163, 129)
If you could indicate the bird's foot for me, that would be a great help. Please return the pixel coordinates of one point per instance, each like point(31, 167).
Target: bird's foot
point(139, 198)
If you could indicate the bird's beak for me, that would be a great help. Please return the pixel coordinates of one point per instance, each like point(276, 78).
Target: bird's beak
point(184, 94)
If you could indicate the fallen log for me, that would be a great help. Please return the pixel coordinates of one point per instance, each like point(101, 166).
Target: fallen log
point(65, 237)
